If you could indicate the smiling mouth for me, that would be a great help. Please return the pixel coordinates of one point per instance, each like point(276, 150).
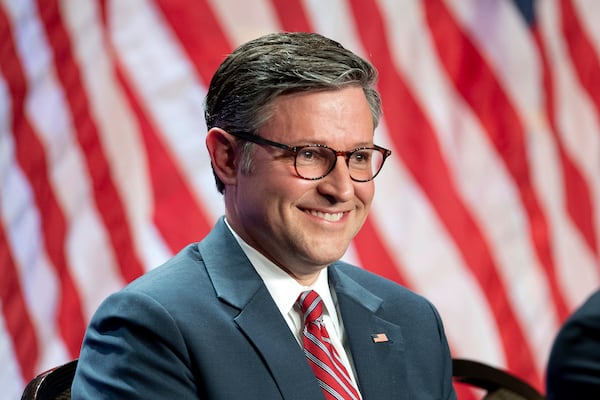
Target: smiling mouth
point(331, 217)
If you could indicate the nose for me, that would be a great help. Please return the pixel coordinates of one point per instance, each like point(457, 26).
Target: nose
point(338, 185)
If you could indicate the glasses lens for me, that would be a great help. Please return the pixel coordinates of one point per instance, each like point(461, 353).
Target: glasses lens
point(364, 164)
point(314, 162)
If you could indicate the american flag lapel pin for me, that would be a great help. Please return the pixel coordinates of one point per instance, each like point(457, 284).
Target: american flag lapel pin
point(379, 338)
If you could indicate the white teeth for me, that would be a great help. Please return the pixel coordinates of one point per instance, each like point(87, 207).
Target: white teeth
point(327, 216)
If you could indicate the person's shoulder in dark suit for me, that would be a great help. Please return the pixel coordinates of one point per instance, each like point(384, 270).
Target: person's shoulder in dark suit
point(573, 370)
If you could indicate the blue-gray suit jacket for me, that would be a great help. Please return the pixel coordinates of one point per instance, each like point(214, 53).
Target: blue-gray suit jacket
point(204, 326)
point(573, 370)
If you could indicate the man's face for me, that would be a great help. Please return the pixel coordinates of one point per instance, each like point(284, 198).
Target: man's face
point(299, 224)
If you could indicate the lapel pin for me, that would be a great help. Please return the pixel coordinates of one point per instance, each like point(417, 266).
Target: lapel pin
point(379, 338)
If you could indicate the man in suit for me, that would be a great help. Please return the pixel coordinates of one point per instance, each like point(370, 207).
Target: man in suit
point(262, 308)
point(574, 365)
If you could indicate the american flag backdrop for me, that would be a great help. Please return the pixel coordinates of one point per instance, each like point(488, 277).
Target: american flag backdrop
point(489, 205)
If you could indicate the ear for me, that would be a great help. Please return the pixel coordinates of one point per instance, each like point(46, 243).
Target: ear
point(222, 151)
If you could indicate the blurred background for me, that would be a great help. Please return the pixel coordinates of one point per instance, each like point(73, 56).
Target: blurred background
point(489, 205)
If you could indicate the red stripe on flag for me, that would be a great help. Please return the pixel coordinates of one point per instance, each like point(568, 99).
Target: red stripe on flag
point(32, 159)
point(578, 197)
point(199, 33)
point(106, 196)
point(16, 314)
point(466, 391)
point(423, 157)
point(501, 123)
point(374, 256)
point(577, 193)
point(583, 53)
point(292, 16)
point(585, 60)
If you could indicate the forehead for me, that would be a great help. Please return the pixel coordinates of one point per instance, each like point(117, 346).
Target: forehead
point(328, 116)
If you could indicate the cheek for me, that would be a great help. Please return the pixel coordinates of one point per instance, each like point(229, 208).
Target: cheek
point(290, 187)
point(365, 192)
point(277, 196)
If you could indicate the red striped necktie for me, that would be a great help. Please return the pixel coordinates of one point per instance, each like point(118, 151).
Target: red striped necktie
point(320, 353)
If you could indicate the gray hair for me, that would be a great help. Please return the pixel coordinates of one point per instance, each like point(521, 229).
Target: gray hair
point(256, 73)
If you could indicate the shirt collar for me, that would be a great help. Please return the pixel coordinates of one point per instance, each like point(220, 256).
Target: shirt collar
point(283, 288)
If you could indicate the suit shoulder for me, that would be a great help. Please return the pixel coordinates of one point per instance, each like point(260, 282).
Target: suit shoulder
point(376, 283)
point(393, 301)
point(187, 257)
point(185, 266)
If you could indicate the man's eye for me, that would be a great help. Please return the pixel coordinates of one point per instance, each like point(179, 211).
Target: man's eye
point(361, 156)
point(313, 155)
point(307, 154)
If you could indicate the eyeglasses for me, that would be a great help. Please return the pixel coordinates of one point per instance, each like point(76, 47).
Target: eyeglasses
point(316, 161)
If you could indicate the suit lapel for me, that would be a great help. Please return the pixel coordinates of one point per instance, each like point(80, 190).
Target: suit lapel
point(237, 284)
point(271, 336)
point(380, 365)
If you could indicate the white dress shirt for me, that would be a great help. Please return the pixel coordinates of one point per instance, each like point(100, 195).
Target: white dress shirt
point(285, 290)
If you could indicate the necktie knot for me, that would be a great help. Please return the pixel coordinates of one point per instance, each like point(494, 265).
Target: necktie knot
point(311, 306)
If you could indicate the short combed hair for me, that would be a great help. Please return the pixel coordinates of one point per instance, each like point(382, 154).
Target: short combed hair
point(256, 73)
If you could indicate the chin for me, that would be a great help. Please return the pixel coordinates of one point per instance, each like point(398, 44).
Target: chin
point(325, 256)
